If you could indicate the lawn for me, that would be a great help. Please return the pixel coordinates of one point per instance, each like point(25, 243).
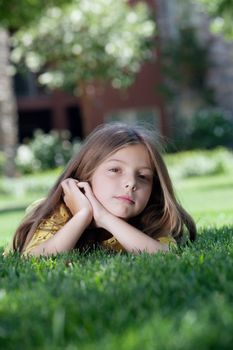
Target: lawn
point(179, 300)
point(98, 300)
point(209, 199)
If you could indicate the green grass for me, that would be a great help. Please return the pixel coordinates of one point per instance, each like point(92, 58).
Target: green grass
point(208, 199)
point(105, 301)
point(24, 190)
point(8, 224)
point(179, 300)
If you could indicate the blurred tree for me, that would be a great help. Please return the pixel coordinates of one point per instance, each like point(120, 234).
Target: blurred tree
point(221, 12)
point(8, 115)
point(17, 13)
point(14, 14)
point(86, 41)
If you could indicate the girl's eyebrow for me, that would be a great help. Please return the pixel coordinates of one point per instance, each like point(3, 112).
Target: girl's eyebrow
point(115, 160)
point(122, 161)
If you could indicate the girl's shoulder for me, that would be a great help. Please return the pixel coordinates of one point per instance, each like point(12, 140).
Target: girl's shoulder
point(33, 205)
point(60, 210)
point(48, 226)
point(59, 214)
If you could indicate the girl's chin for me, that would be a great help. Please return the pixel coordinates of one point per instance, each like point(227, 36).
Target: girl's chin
point(121, 215)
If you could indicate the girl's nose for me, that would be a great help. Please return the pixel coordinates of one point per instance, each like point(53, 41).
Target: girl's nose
point(130, 186)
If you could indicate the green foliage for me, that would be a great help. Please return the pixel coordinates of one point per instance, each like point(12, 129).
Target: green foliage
point(85, 41)
point(185, 60)
point(200, 162)
point(51, 150)
point(45, 151)
point(208, 128)
point(25, 160)
point(218, 7)
point(221, 12)
point(185, 63)
point(100, 300)
point(211, 128)
point(2, 163)
point(15, 13)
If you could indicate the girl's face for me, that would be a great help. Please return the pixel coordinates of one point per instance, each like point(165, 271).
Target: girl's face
point(122, 183)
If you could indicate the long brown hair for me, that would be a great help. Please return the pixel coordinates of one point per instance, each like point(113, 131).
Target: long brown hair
point(163, 214)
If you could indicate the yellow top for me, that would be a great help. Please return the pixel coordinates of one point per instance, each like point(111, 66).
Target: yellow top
point(58, 219)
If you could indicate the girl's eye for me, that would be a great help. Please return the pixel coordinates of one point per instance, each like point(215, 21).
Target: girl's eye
point(144, 177)
point(114, 170)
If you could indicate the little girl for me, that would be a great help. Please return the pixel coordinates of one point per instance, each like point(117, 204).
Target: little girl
point(115, 193)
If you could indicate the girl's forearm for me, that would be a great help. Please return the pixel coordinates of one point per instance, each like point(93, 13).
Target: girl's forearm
point(65, 239)
point(132, 239)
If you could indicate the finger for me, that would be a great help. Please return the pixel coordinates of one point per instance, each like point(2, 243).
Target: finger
point(71, 183)
point(87, 190)
point(70, 186)
point(66, 181)
point(84, 185)
point(64, 185)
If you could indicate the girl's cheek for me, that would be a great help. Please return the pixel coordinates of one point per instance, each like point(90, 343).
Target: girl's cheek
point(97, 189)
point(92, 185)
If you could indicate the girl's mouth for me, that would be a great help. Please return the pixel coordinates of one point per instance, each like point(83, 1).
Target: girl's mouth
point(126, 199)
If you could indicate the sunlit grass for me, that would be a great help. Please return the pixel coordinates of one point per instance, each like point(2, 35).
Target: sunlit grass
point(8, 224)
point(106, 301)
point(23, 190)
point(208, 198)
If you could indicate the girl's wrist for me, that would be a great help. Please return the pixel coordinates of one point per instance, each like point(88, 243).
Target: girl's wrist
point(106, 220)
point(84, 215)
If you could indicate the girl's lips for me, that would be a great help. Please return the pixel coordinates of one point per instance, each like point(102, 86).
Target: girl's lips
point(125, 199)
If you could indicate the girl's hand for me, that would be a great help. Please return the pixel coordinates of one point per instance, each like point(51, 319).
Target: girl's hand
point(74, 199)
point(99, 212)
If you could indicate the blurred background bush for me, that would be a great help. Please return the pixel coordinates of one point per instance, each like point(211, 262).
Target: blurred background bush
point(2, 160)
point(200, 162)
point(45, 151)
point(206, 129)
